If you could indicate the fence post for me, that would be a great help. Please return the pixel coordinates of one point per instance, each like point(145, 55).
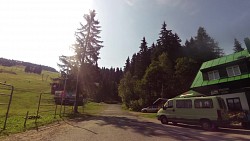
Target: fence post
point(55, 111)
point(7, 113)
point(38, 106)
point(26, 117)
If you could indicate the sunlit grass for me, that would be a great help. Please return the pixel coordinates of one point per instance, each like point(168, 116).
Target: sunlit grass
point(27, 90)
point(148, 115)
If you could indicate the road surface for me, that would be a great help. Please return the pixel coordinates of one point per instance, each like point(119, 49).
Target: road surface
point(114, 124)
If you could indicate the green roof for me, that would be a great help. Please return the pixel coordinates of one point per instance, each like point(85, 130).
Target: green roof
point(198, 81)
point(225, 59)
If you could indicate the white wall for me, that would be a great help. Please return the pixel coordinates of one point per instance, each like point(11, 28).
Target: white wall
point(242, 97)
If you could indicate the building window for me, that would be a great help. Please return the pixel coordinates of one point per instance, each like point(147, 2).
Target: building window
point(233, 71)
point(203, 103)
point(234, 104)
point(213, 75)
point(184, 103)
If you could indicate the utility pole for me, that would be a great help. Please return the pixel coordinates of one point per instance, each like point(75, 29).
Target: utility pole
point(77, 96)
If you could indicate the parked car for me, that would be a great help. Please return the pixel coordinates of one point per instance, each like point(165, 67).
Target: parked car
point(67, 98)
point(210, 112)
point(150, 109)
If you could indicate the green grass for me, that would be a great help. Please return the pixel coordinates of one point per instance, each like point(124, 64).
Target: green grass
point(92, 108)
point(27, 88)
point(89, 109)
point(148, 115)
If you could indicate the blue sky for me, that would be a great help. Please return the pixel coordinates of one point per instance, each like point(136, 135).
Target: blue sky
point(39, 31)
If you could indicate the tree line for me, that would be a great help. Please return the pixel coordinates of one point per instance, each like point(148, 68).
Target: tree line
point(10, 63)
point(164, 69)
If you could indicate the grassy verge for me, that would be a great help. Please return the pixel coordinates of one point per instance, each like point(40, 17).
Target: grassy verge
point(15, 124)
point(89, 109)
point(148, 115)
point(93, 108)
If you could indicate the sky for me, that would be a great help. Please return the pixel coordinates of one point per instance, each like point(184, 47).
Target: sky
point(39, 31)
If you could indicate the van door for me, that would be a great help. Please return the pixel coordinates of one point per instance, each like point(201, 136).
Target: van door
point(170, 111)
point(184, 111)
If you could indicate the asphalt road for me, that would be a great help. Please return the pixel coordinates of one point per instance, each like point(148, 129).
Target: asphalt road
point(113, 124)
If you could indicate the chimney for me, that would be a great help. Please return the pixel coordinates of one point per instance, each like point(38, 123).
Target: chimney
point(247, 42)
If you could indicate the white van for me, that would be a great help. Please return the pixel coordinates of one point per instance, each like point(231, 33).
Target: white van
point(210, 112)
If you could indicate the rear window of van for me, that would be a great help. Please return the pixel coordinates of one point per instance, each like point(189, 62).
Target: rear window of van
point(203, 103)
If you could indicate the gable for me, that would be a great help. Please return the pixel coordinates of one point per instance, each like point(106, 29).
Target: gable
point(222, 62)
point(225, 60)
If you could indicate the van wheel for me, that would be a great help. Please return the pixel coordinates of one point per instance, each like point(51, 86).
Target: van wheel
point(164, 120)
point(206, 125)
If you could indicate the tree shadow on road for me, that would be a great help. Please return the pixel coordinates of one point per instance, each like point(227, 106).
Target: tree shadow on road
point(153, 129)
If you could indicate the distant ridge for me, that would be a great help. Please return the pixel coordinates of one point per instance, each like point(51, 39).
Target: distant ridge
point(11, 62)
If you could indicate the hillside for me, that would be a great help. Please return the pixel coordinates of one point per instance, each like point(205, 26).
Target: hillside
point(9, 63)
point(27, 88)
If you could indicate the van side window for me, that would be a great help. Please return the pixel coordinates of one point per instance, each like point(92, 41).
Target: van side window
point(234, 104)
point(203, 103)
point(187, 103)
point(170, 104)
point(221, 103)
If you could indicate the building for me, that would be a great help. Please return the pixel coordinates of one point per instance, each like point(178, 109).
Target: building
point(227, 77)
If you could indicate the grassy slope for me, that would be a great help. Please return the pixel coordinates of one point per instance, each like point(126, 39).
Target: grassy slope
point(27, 88)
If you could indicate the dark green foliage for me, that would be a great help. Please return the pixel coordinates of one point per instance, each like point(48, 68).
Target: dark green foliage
point(168, 42)
point(142, 59)
point(237, 46)
point(202, 48)
point(127, 89)
point(33, 69)
point(185, 71)
point(247, 42)
point(166, 69)
point(127, 65)
point(108, 86)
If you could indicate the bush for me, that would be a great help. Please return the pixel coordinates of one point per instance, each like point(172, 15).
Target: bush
point(237, 117)
point(136, 105)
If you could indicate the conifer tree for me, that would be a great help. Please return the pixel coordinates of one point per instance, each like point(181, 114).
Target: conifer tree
point(127, 65)
point(237, 46)
point(87, 48)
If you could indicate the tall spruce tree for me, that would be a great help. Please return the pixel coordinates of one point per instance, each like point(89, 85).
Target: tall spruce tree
point(87, 47)
point(142, 59)
point(237, 46)
point(203, 47)
point(167, 42)
point(127, 65)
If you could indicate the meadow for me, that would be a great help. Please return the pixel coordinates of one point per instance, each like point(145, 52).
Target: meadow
point(27, 90)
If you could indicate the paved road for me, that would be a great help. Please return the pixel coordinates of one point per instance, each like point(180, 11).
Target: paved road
point(117, 125)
